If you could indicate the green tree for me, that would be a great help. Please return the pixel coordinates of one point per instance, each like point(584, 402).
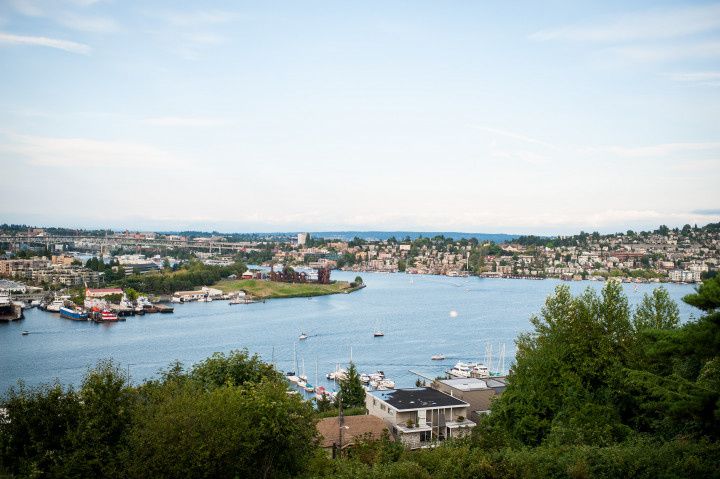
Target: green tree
point(234, 369)
point(107, 404)
point(351, 391)
point(131, 294)
point(256, 430)
point(324, 403)
point(707, 296)
point(656, 311)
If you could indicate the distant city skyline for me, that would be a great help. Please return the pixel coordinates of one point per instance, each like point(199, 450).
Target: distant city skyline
point(475, 117)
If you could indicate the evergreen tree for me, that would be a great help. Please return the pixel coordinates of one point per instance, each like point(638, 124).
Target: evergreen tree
point(351, 391)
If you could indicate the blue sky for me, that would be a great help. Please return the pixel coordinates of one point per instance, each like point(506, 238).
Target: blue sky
point(275, 116)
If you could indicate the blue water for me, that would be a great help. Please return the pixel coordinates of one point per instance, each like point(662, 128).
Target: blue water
point(412, 310)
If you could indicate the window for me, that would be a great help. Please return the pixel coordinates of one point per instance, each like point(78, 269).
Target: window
point(382, 407)
point(425, 436)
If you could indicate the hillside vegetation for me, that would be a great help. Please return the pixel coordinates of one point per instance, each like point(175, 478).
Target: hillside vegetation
point(270, 289)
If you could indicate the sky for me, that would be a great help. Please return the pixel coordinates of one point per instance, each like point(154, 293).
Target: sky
point(476, 116)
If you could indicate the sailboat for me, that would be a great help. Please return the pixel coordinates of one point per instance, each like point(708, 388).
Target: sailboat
point(307, 387)
point(291, 374)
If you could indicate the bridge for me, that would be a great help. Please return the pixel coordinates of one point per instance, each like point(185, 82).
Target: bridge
point(105, 243)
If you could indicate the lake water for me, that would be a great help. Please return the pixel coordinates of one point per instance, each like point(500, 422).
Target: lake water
point(412, 310)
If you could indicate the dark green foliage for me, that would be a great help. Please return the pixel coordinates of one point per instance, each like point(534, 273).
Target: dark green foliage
point(593, 373)
point(62, 433)
point(35, 435)
point(707, 296)
point(253, 431)
point(351, 391)
point(235, 369)
point(230, 416)
point(324, 403)
point(190, 276)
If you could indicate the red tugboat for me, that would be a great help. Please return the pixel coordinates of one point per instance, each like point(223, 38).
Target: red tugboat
point(108, 316)
point(103, 316)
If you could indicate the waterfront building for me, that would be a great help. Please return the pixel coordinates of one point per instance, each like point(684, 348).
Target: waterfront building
point(478, 393)
point(419, 417)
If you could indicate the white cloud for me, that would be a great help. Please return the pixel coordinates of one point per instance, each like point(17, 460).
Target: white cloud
point(663, 149)
point(653, 24)
point(665, 53)
point(85, 23)
point(197, 18)
point(205, 38)
point(69, 46)
point(515, 136)
point(30, 8)
point(184, 121)
point(83, 152)
point(700, 78)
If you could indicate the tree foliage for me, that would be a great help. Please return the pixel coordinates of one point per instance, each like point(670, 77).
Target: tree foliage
point(228, 416)
point(351, 391)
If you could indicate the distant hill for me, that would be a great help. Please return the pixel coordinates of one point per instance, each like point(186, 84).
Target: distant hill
point(400, 235)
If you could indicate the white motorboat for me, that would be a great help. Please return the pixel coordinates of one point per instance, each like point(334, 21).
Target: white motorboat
point(55, 305)
point(302, 336)
point(437, 357)
point(387, 384)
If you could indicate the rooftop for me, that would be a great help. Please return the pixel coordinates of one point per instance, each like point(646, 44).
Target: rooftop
point(466, 384)
point(475, 384)
point(416, 398)
point(354, 426)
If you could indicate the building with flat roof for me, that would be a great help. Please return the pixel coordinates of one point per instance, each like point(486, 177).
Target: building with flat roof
point(419, 417)
point(478, 393)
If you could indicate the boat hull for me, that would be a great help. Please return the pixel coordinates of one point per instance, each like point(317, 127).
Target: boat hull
point(10, 312)
point(72, 314)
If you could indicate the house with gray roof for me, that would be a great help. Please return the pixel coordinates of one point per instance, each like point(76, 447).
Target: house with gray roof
point(419, 417)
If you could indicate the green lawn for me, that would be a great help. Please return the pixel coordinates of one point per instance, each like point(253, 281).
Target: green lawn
point(269, 289)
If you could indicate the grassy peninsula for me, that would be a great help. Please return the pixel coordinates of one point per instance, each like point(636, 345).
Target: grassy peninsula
point(270, 289)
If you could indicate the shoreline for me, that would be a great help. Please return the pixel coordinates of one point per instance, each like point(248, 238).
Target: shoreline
point(263, 290)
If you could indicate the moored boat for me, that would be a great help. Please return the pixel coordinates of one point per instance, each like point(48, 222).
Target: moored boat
point(9, 311)
point(105, 316)
point(73, 313)
point(55, 305)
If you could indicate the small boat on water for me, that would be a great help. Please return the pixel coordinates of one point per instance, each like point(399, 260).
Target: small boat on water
point(25, 333)
point(73, 313)
point(302, 336)
point(378, 334)
point(437, 357)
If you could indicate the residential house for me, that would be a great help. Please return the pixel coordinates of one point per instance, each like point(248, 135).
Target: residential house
point(478, 393)
point(418, 417)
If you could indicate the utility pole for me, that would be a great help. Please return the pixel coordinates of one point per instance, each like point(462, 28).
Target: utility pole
point(341, 422)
